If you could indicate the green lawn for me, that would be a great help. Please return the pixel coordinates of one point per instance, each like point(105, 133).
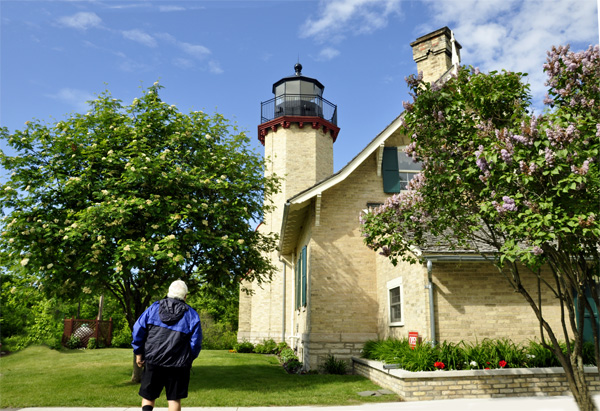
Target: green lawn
point(40, 377)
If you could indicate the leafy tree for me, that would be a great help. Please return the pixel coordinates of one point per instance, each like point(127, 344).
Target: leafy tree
point(127, 198)
point(496, 177)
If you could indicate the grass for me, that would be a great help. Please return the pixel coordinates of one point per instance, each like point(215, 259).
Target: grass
point(40, 377)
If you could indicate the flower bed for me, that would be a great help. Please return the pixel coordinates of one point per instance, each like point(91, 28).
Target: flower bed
point(438, 385)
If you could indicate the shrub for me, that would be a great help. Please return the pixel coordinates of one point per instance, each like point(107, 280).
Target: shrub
point(121, 337)
point(244, 347)
point(291, 363)
point(267, 347)
point(92, 344)
point(286, 355)
point(73, 342)
point(270, 347)
point(280, 347)
point(260, 349)
point(333, 366)
point(293, 366)
point(589, 358)
point(216, 335)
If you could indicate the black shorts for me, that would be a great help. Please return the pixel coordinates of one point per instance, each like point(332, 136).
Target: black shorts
point(175, 380)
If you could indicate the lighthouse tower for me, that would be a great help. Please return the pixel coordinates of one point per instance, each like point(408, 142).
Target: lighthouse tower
point(298, 128)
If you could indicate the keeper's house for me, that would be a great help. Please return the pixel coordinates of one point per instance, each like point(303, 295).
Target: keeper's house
point(331, 293)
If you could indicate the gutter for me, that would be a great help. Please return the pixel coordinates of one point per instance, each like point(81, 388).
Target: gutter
point(454, 257)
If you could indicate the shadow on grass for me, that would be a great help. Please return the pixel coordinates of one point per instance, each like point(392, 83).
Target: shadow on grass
point(264, 378)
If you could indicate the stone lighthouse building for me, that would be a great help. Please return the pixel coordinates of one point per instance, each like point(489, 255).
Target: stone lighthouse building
point(298, 130)
point(331, 293)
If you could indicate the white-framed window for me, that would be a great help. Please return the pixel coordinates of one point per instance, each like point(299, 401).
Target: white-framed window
point(395, 302)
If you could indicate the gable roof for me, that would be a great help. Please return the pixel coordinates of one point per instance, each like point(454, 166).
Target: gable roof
point(296, 207)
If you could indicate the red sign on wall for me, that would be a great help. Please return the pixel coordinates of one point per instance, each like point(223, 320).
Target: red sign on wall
point(413, 338)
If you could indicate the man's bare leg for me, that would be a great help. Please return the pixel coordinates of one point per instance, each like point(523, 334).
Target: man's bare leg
point(174, 405)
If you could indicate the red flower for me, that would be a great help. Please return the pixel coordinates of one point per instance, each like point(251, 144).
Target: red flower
point(502, 363)
point(439, 365)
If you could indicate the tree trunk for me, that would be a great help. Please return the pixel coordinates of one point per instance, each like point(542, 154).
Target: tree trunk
point(100, 308)
point(136, 376)
point(579, 388)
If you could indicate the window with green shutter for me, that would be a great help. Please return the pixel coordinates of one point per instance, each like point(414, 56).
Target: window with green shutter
point(389, 171)
point(304, 276)
point(397, 169)
point(298, 281)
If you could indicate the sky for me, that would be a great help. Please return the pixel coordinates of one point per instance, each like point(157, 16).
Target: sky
point(224, 56)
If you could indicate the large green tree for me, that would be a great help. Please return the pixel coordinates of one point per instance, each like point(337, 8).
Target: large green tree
point(126, 198)
point(525, 186)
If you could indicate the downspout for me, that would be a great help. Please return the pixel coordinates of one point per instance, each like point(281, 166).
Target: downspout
point(429, 286)
point(283, 304)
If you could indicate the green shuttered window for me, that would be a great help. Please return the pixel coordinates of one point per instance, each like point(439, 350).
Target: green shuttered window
point(397, 169)
point(391, 177)
point(301, 280)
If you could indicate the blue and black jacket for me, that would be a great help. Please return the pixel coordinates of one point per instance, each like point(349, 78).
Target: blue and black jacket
point(168, 334)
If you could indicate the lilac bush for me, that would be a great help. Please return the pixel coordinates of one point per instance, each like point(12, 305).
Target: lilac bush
point(495, 173)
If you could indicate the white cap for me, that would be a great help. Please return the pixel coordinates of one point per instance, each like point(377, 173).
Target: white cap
point(178, 290)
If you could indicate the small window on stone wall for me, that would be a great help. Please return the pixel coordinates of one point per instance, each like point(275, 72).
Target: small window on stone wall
point(395, 302)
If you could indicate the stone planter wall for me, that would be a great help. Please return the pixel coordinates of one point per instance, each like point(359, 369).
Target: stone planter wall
point(439, 385)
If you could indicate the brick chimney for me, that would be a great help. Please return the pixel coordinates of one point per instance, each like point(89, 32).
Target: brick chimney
point(434, 53)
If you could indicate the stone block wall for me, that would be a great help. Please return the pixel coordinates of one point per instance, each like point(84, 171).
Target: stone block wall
point(474, 301)
point(441, 385)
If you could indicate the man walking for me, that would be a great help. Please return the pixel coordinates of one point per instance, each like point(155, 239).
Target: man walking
point(167, 338)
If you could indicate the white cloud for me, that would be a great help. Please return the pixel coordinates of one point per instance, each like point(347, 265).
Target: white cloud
point(75, 98)
point(170, 8)
point(338, 17)
point(214, 67)
point(140, 37)
point(80, 21)
point(328, 53)
point(194, 50)
point(515, 34)
point(183, 63)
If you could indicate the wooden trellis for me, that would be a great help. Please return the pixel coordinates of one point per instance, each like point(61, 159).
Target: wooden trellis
point(86, 329)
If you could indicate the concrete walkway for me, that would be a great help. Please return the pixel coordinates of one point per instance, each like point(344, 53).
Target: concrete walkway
point(492, 404)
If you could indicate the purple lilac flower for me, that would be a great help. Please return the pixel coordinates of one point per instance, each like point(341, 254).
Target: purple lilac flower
point(506, 156)
point(583, 170)
point(549, 156)
point(537, 250)
point(522, 139)
point(509, 204)
point(480, 161)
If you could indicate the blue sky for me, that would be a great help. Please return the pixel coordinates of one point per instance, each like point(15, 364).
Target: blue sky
point(225, 55)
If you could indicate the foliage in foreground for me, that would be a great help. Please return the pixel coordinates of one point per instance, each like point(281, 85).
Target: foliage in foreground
point(127, 198)
point(28, 317)
point(487, 354)
point(100, 378)
point(522, 191)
